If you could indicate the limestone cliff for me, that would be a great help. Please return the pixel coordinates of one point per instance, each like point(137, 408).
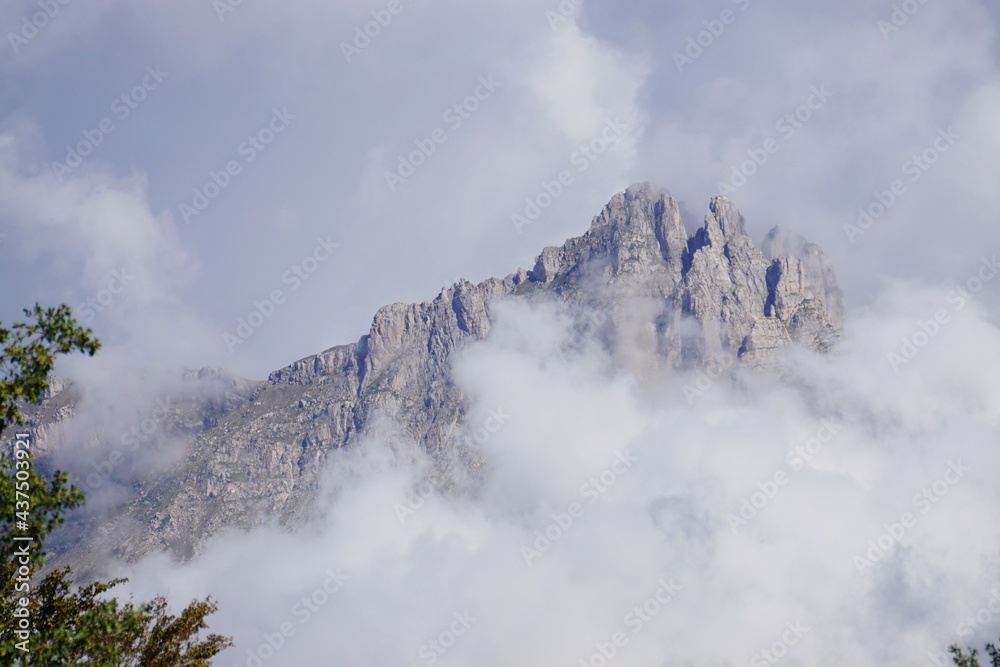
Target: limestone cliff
point(661, 294)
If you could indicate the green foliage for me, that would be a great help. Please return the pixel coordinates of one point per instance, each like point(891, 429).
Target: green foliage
point(81, 627)
point(971, 660)
point(29, 353)
point(41, 511)
point(69, 626)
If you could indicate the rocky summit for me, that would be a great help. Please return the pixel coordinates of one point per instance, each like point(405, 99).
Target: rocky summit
point(636, 280)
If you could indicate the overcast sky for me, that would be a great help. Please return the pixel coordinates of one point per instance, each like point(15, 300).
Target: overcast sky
point(199, 79)
point(170, 168)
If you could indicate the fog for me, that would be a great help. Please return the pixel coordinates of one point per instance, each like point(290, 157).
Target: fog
point(829, 510)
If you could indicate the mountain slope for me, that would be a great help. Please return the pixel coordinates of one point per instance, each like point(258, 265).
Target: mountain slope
point(655, 297)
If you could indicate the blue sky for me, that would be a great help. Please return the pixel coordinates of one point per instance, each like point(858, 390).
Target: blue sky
point(559, 80)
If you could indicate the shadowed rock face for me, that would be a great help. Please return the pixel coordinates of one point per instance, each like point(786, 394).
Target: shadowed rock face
point(666, 301)
point(741, 300)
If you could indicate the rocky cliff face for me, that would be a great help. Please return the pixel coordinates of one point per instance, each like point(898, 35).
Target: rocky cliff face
point(743, 302)
point(660, 295)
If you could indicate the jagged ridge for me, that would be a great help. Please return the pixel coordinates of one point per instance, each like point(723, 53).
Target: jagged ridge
point(714, 292)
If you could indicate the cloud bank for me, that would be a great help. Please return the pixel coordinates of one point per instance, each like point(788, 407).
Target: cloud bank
point(831, 510)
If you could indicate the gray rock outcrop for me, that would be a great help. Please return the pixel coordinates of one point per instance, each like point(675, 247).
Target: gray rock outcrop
point(667, 300)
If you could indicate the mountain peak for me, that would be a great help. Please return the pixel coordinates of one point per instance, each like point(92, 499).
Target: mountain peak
point(746, 301)
point(667, 301)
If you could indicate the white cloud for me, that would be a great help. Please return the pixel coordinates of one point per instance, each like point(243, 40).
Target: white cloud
point(571, 411)
point(125, 263)
point(665, 516)
point(581, 83)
